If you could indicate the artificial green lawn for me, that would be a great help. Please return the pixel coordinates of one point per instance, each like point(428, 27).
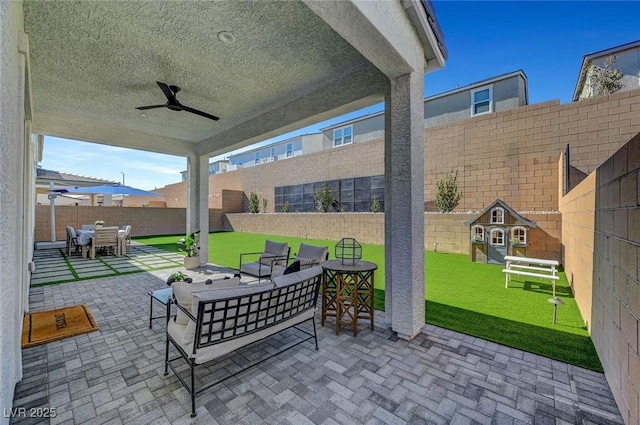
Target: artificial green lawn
point(460, 295)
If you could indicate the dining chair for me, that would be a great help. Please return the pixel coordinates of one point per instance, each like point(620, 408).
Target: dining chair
point(105, 237)
point(72, 240)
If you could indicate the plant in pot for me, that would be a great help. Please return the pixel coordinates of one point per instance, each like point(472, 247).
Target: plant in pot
point(99, 223)
point(178, 277)
point(191, 246)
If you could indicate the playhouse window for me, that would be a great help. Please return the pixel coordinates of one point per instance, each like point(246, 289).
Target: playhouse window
point(519, 235)
point(497, 215)
point(497, 237)
point(477, 233)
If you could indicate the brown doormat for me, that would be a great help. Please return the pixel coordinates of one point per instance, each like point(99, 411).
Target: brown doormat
point(46, 326)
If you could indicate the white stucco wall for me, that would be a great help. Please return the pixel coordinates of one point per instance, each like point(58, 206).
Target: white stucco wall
point(12, 154)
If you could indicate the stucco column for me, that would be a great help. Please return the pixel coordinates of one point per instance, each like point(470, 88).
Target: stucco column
point(198, 201)
point(404, 204)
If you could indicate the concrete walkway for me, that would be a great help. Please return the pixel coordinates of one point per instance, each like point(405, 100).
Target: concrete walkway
point(115, 375)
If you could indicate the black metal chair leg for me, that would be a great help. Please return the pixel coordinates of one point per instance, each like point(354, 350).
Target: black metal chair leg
point(193, 391)
point(315, 335)
point(166, 358)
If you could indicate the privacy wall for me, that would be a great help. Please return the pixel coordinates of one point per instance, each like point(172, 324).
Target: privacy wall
point(601, 241)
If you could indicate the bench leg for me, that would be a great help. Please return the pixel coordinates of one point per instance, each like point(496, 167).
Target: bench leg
point(193, 391)
point(315, 335)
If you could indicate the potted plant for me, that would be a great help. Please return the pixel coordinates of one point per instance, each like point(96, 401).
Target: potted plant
point(191, 246)
point(99, 223)
point(178, 277)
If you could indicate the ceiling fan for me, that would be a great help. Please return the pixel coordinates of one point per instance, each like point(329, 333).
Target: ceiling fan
point(173, 104)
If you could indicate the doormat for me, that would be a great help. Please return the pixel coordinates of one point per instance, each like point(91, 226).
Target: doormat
point(46, 326)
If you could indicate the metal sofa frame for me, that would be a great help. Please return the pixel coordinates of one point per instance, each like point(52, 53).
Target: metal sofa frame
point(217, 322)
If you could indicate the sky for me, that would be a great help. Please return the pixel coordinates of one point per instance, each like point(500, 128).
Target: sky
point(547, 40)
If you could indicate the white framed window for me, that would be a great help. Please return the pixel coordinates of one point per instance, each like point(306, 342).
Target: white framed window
point(343, 136)
point(519, 235)
point(482, 100)
point(496, 237)
point(274, 157)
point(289, 150)
point(496, 216)
point(477, 233)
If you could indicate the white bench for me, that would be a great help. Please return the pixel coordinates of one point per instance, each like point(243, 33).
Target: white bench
point(545, 269)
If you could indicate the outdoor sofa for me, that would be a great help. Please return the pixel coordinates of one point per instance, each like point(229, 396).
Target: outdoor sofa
point(213, 322)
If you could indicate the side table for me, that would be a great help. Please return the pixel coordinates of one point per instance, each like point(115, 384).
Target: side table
point(347, 293)
point(163, 296)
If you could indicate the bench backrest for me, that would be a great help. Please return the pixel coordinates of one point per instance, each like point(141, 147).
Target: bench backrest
point(221, 320)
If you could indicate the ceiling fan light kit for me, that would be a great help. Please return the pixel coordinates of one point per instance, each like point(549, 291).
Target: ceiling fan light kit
point(173, 104)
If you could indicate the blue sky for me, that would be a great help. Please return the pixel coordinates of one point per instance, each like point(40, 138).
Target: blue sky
point(547, 40)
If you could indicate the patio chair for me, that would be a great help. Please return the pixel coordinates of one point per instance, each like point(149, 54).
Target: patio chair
point(72, 241)
point(107, 238)
point(125, 239)
point(307, 256)
point(274, 258)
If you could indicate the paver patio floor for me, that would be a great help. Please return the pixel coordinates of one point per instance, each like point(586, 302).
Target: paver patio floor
point(115, 375)
point(53, 266)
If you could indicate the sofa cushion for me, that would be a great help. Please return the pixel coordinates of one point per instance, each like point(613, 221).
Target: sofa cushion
point(260, 270)
point(183, 292)
point(277, 248)
point(319, 253)
point(266, 259)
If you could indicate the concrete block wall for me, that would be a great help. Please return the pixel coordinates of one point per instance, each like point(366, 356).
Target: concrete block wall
point(512, 155)
point(601, 238)
point(143, 221)
point(447, 230)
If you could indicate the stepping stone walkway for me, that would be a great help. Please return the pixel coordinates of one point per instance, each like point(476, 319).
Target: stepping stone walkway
point(53, 266)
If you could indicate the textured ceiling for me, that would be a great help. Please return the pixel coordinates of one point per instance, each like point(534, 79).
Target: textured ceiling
point(93, 62)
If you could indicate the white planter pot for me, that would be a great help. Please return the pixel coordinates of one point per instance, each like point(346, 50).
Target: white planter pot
point(191, 263)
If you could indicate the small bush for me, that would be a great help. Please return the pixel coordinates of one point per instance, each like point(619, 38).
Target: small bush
point(264, 204)
point(323, 198)
point(448, 197)
point(254, 203)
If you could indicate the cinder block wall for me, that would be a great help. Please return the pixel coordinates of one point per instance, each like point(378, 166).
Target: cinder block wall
point(447, 230)
point(601, 237)
point(143, 221)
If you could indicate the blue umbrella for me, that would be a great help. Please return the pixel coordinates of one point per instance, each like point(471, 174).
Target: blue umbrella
point(110, 190)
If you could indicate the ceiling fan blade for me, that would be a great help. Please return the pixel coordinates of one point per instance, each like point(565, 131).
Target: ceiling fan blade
point(142, 108)
point(171, 97)
point(202, 114)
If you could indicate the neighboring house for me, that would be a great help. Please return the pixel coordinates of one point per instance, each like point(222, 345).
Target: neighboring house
point(501, 93)
point(494, 94)
point(627, 61)
point(283, 149)
point(507, 91)
point(216, 167)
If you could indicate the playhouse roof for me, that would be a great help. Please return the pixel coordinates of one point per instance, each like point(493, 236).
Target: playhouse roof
point(501, 203)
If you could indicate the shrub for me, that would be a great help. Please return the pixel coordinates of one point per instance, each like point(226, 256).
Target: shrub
point(375, 205)
point(254, 203)
point(264, 204)
point(323, 198)
point(448, 197)
point(285, 207)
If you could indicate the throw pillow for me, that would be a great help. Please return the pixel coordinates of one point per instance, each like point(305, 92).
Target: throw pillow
point(306, 262)
point(292, 268)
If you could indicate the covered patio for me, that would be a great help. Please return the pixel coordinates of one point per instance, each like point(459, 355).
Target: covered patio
point(79, 70)
point(115, 375)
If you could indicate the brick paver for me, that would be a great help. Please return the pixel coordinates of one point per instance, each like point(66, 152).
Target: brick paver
point(115, 375)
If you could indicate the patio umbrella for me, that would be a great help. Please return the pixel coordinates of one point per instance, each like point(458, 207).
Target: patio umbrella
point(110, 190)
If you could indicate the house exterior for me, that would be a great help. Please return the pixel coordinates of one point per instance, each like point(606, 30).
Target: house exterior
point(495, 94)
point(216, 167)
point(500, 93)
point(283, 149)
point(627, 61)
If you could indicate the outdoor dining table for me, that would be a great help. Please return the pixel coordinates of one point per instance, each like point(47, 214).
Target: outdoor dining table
point(85, 237)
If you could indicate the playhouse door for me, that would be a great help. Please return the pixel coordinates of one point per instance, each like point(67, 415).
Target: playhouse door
point(497, 245)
